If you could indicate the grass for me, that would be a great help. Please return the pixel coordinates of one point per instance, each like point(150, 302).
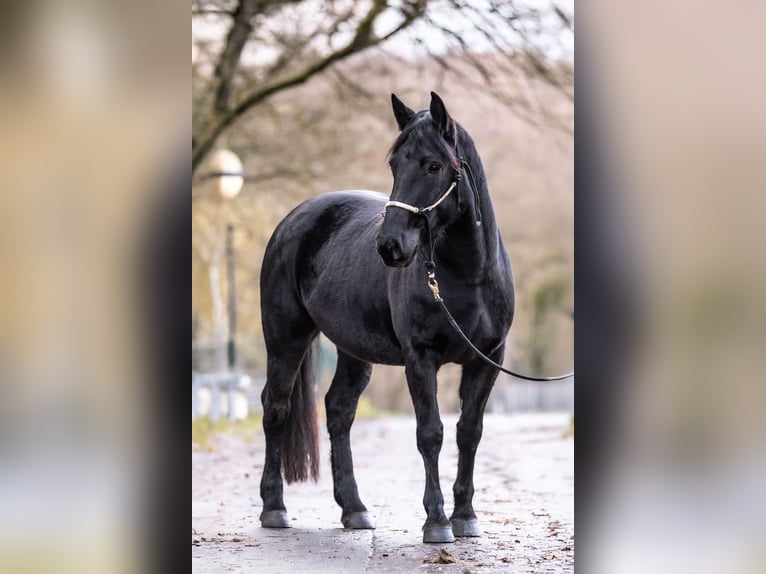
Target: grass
point(203, 429)
point(366, 410)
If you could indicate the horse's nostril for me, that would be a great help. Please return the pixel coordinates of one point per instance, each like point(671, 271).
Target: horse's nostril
point(394, 250)
point(391, 251)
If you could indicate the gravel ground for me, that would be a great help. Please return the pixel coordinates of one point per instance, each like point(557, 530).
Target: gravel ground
point(524, 500)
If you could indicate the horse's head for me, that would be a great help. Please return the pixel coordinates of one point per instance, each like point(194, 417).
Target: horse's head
point(424, 165)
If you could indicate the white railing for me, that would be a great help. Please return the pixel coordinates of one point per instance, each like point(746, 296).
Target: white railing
point(515, 396)
point(220, 394)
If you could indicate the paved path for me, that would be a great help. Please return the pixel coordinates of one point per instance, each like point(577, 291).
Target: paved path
point(524, 498)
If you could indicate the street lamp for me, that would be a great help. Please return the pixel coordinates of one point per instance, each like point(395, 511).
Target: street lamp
point(229, 176)
point(227, 168)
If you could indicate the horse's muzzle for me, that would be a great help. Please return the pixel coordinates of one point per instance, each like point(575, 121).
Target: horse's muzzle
point(393, 254)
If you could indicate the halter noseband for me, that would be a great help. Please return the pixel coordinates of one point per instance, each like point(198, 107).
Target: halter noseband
point(423, 210)
point(458, 177)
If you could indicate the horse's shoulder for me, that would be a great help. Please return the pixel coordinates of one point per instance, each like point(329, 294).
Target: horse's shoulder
point(335, 207)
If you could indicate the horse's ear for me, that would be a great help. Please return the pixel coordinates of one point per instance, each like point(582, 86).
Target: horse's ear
point(402, 113)
point(444, 123)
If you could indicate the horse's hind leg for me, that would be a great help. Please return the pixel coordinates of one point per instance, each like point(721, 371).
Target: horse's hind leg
point(288, 344)
point(350, 380)
point(475, 385)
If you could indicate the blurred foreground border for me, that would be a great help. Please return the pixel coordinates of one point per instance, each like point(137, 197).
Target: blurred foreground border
point(670, 282)
point(94, 196)
point(670, 337)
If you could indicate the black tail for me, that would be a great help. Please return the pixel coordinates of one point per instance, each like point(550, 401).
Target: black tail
point(300, 439)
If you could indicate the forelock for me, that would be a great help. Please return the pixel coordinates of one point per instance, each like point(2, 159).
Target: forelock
point(421, 133)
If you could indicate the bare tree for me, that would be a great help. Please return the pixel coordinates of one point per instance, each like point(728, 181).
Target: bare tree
point(299, 138)
point(274, 45)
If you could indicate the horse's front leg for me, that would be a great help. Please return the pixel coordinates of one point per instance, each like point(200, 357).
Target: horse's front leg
point(421, 380)
point(475, 385)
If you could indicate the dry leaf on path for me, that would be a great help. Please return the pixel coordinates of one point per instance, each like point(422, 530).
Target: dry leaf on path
point(443, 557)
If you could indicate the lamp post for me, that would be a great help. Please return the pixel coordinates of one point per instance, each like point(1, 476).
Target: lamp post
point(227, 169)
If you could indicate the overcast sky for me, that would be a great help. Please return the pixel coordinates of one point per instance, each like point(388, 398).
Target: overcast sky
point(420, 39)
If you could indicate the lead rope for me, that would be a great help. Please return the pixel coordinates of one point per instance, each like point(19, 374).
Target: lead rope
point(472, 183)
point(433, 284)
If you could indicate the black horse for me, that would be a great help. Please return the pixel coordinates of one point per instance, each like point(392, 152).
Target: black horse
point(351, 265)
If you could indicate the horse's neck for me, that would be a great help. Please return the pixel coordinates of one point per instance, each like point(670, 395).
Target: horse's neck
point(469, 249)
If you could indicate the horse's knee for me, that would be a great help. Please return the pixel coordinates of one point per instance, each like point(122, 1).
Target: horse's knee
point(430, 437)
point(468, 436)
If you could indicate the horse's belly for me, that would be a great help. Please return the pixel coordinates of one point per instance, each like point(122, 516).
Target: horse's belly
point(371, 345)
point(357, 320)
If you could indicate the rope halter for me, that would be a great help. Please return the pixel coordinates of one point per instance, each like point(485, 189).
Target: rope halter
point(458, 177)
point(422, 210)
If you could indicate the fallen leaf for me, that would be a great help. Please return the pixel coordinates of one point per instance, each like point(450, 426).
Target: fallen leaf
point(446, 557)
point(443, 557)
point(554, 528)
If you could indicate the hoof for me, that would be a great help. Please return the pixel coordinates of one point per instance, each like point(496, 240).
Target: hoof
point(275, 519)
point(462, 527)
point(357, 521)
point(438, 533)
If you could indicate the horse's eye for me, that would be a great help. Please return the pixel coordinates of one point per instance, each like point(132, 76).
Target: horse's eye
point(434, 168)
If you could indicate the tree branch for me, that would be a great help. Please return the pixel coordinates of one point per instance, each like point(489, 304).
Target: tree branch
point(363, 39)
point(232, 51)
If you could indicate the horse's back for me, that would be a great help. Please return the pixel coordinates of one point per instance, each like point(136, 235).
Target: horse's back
point(304, 231)
point(361, 199)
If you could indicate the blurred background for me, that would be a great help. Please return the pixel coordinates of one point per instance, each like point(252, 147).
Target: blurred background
point(95, 115)
point(292, 99)
point(95, 112)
